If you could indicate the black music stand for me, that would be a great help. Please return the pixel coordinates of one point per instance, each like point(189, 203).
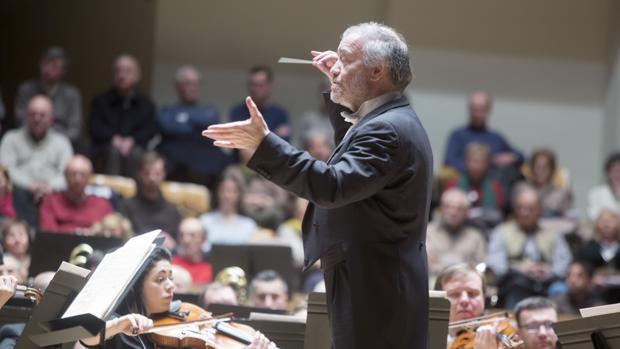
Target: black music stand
point(595, 332)
point(286, 334)
point(49, 249)
point(47, 328)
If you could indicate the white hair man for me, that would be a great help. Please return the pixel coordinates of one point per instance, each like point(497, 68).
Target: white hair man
point(369, 202)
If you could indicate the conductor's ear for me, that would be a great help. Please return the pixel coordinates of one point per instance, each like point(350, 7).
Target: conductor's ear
point(378, 71)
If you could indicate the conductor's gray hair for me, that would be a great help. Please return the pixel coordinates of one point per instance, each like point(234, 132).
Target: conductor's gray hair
point(180, 74)
point(384, 45)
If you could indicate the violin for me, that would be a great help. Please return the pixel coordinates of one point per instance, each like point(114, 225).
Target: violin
point(192, 326)
point(506, 334)
point(29, 293)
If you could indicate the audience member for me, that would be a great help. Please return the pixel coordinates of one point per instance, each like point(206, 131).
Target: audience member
point(450, 239)
point(113, 225)
point(7, 211)
point(267, 204)
point(556, 200)
point(191, 237)
point(16, 241)
point(502, 153)
point(35, 157)
point(12, 267)
point(289, 232)
point(260, 81)
point(122, 121)
point(217, 293)
point(189, 156)
point(318, 144)
point(149, 210)
point(465, 289)
point(182, 279)
point(579, 293)
point(526, 258)
point(66, 99)
point(535, 316)
point(42, 280)
point(606, 195)
point(603, 250)
point(269, 290)
point(316, 120)
point(72, 210)
point(224, 224)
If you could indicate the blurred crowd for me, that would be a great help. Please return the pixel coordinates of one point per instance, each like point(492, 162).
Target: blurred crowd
point(507, 214)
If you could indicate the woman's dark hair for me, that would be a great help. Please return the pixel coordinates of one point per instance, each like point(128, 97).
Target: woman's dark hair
point(133, 301)
point(235, 176)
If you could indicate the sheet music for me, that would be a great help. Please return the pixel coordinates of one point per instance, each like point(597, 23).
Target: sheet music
point(600, 310)
point(73, 269)
point(112, 276)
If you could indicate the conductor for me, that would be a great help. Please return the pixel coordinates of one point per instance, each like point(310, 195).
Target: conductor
point(369, 201)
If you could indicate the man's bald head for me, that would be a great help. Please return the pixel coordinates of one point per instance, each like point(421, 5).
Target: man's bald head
point(126, 73)
point(479, 108)
point(77, 173)
point(39, 116)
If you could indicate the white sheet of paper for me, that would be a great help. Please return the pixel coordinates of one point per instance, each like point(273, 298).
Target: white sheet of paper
point(294, 60)
point(600, 310)
point(112, 276)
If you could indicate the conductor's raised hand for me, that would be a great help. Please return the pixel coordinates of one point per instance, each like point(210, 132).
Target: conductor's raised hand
point(324, 61)
point(246, 134)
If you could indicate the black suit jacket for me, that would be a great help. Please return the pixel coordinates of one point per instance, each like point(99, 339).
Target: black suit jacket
point(370, 201)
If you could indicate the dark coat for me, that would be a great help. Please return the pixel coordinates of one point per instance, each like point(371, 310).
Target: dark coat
point(370, 201)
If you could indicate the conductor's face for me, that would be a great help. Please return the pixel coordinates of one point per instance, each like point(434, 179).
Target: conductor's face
point(350, 76)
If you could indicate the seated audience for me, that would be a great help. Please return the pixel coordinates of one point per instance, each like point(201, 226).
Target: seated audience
point(267, 204)
point(122, 121)
point(318, 145)
point(225, 224)
point(465, 288)
point(526, 258)
point(217, 293)
point(72, 210)
point(113, 225)
point(579, 293)
point(66, 99)
point(7, 211)
point(42, 280)
point(534, 316)
point(605, 196)
point(35, 157)
point(289, 232)
point(148, 209)
point(191, 237)
point(11, 266)
point(556, 200)
point(260, 82)
point(450, 239)
point(316, 120)
point(269, 290)
point(182, 280)
point(190, 157)
point(502, 153)
point(486, 195)
point(16, 241)
point(603, 251)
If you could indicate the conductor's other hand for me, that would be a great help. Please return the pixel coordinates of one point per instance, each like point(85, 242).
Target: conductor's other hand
point(324, 61)
point(8, 283)
point(246, 134)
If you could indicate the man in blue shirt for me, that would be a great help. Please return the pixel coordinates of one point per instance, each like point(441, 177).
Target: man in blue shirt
point(189, 156)
point(502, 153)
point(260, 81)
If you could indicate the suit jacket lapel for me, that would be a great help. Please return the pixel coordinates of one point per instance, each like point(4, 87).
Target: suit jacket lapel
point(380, 110)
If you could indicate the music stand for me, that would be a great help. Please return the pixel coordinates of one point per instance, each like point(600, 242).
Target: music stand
point(595, 332)
point(48, 326)
point(286, 331)
point(240, 311)
point(50, 249)
point(254, 259)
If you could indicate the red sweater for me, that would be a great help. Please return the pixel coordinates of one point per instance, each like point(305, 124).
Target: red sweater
point(58, 214)
point(200, 272)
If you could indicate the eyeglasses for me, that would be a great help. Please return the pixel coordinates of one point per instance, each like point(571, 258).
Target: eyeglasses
point(535, 327)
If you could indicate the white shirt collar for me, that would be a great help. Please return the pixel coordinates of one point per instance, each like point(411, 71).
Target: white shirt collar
point(369, 106)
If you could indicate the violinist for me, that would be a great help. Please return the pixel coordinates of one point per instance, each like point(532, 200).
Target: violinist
point(464, 288)
point(535, 315)
point(151, 295)
point(8, 284)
